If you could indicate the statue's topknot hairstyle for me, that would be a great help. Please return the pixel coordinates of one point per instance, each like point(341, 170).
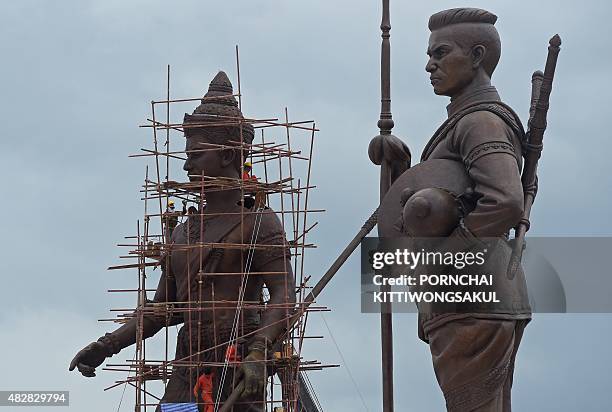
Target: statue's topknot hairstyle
point(477, 26)
point(460, 15)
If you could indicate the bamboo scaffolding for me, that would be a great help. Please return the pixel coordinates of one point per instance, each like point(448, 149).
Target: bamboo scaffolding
point(282, 185)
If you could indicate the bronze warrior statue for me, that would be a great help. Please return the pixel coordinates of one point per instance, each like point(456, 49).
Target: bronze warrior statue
point(473, 353)
point(475, 154)
point(187, 281)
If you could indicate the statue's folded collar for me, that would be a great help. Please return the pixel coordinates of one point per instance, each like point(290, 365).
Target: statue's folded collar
point(481, 94)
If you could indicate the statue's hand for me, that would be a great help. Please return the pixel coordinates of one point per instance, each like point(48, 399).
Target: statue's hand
point(253, 369)
point(88, 358)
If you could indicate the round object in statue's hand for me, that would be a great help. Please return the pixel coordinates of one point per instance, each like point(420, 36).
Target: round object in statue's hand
point(430, 212)
point(449, 175)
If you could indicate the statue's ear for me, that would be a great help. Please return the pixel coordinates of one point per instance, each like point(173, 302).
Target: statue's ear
point(478, 54)
point(227, 157)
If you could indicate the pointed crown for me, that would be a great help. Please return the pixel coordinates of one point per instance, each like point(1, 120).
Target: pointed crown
point(219, 106)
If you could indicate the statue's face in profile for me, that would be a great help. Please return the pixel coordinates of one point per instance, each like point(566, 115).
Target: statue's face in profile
point(450, 67)
point(203, 158)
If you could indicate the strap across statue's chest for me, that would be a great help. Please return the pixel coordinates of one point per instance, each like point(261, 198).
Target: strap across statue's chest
point(433, 148)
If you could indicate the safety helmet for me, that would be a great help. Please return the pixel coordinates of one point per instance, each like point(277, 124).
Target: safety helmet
point(248, 165)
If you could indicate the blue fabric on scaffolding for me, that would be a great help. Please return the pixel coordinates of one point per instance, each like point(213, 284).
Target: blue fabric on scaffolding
point(179, 407)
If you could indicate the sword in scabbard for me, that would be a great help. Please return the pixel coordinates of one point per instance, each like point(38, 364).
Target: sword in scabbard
point(532, 147)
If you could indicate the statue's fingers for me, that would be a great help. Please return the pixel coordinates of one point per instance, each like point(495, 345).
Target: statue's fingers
point(244, 395)
point(249, 388)
point(74, 362)
point(86, 370)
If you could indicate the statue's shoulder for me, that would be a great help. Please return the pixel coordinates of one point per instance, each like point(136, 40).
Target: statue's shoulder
point(270, 218)
point(481, 120)
point(178, 233)
point(488, 117)
point(262, 223)
point(270, 224)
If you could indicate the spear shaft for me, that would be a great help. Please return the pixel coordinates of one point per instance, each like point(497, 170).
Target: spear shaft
point(385, 123)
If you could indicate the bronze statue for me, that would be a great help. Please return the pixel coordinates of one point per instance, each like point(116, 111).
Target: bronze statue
point(194, 274)
point(474, 353)
point(476, 154)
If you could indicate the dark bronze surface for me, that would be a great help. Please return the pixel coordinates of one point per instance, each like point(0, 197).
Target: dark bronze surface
point(477, 151)
point(436, 173)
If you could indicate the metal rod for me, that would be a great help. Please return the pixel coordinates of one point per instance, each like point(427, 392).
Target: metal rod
point(385, 124)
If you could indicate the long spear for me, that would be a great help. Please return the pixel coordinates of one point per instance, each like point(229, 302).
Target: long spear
point(393, 156)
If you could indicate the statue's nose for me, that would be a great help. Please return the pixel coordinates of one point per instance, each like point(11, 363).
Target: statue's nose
point(187, 165)
point(430, 67)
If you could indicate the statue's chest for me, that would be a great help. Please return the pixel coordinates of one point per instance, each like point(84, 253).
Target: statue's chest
point(193, 260)
point(440, 145)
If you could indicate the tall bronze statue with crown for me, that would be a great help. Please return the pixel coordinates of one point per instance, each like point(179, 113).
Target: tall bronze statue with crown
point(223, 322)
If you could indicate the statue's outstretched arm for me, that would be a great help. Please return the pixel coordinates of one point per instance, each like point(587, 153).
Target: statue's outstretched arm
point(94, 354)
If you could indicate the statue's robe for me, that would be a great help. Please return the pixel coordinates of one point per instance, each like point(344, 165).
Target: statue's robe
point(473, 353)
point(207, 326)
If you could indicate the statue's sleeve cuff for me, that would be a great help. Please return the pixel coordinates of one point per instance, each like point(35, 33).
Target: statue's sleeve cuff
point(111, 344)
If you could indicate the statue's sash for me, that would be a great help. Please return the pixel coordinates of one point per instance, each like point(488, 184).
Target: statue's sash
point(499, 108)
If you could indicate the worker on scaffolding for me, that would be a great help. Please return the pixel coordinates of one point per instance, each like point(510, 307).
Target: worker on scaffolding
point(250, 193)
point(171, 217)
point(247, 171)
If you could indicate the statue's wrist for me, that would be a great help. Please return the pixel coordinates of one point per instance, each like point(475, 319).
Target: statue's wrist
point(111, 344)
point(255, 355)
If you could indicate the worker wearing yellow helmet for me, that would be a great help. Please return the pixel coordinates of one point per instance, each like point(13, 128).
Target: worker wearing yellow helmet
point(171, 217)
point(246, 171)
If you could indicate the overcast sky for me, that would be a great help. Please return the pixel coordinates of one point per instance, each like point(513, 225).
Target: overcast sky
point(77, 78)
